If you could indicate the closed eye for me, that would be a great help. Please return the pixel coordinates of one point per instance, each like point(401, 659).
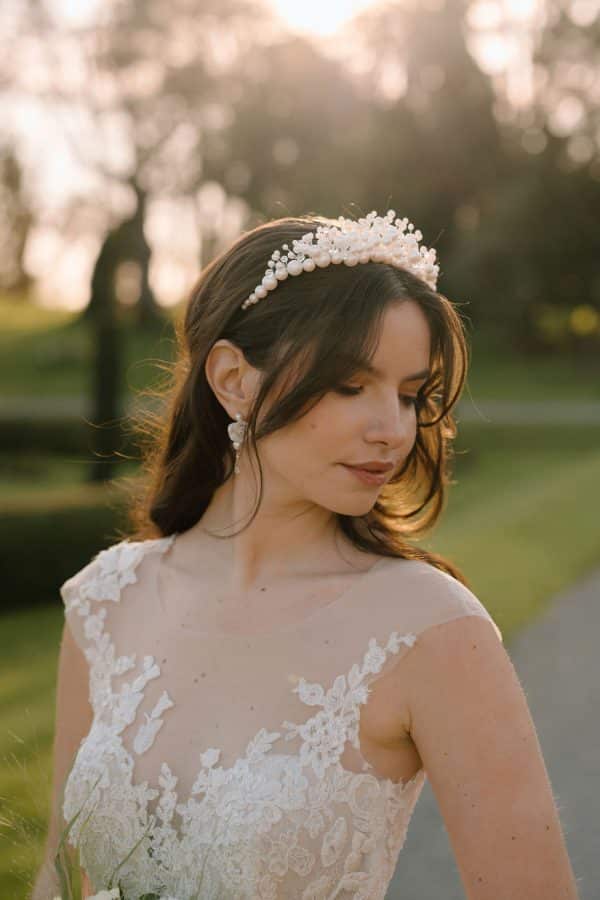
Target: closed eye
point(407, 399)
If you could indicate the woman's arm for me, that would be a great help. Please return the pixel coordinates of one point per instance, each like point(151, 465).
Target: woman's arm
point(472, 727)
point(72, 722)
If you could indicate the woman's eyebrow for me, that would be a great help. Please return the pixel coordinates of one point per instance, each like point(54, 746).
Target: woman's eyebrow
point(373, 370)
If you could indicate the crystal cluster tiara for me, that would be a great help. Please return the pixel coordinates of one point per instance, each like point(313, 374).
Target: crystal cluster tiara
point(370, 239)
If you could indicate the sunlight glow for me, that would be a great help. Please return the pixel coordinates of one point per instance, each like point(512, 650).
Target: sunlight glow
point(501, 39)
point(316, 17)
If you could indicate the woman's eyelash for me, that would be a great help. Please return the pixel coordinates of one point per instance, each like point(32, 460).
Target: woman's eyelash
point(347, 389)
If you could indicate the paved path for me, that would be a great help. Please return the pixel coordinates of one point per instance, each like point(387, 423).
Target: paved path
point(558, 663)
point(484, 412)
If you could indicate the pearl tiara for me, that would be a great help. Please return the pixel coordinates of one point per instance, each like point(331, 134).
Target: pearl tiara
point(371, 239)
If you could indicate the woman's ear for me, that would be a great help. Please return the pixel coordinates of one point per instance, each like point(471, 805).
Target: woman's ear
point(231, 378)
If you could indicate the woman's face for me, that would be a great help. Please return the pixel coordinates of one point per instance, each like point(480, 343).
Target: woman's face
point(372, 418)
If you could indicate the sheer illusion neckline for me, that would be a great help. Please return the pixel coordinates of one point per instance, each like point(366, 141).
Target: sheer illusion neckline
point(269, 630)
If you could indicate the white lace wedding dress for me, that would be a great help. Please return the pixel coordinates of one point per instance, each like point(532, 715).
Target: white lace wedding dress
point(232, 760)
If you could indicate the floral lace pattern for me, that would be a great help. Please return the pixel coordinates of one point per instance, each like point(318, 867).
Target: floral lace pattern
point(273, 825)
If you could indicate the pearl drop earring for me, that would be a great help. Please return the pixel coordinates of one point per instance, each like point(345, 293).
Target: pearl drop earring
point(236, 431)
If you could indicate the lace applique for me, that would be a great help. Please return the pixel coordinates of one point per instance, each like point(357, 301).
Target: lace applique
point(271, 826)
point(114, 568)
point(325, 734)
point(109, 572)
point(148, 731)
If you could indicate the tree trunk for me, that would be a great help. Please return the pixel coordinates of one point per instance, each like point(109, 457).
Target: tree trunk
point(106, 367)
point(106, 395)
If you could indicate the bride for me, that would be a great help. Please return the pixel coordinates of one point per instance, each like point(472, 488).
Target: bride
point(255, 682)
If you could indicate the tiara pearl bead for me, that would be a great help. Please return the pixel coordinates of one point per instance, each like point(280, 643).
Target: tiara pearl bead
point(323, 260)
point(374, 238)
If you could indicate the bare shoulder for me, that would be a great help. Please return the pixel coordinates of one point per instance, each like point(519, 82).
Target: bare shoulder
point(420, 600)
point(428, 596)
point(470, 722)
point(464, 646)
point(457, 638)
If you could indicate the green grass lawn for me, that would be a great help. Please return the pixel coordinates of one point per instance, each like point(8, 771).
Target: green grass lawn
point(29, 644)
point(499, 373)
point(34, 479)
point(522, 521)
point(48, 352)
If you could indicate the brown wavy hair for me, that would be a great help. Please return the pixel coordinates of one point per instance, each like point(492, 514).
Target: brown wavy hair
point(322, 327)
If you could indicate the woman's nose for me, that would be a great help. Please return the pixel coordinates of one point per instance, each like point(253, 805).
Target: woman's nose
point(395, 428)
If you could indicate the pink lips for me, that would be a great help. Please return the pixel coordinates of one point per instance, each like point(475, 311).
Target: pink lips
point(372, 465)
point(366, 476)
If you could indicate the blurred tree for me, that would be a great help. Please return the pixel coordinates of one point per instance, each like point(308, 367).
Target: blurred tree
point(537, 244)
point(150, 76)
point(172, 98)
point(566, 99)
point(126, 242)
point(435, 148)
point(16, 217)
point(295, 140)
point(106, 373)
point(513, 222)
point(535, 250)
